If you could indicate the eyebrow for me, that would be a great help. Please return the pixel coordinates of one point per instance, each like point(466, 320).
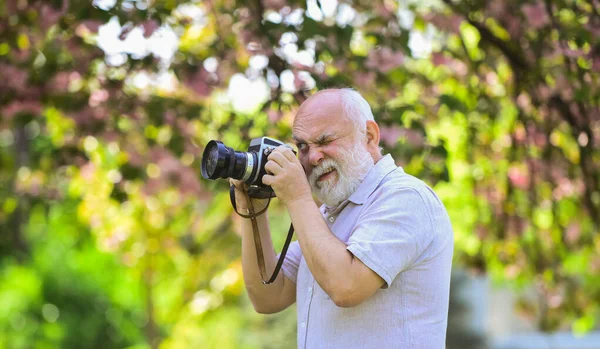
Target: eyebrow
point(319, 139)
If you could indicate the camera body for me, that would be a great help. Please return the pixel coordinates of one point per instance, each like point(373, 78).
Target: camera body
point(220, 161)
point(262, 147)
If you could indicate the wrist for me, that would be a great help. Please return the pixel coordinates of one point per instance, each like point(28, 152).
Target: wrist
point(300, 201)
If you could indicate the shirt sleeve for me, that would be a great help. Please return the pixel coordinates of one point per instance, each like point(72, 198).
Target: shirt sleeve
point(392, 232)
point(291, 263)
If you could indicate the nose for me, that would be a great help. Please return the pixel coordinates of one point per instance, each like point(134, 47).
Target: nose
point(315, 156)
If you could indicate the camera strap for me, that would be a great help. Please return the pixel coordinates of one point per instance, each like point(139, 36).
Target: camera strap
point(257, 242)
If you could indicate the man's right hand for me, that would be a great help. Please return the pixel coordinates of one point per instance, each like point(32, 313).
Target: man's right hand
point(241, 191)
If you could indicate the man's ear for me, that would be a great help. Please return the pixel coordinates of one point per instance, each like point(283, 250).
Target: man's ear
point(372, 134)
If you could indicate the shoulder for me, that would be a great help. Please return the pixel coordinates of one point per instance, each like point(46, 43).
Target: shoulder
point(399, 184)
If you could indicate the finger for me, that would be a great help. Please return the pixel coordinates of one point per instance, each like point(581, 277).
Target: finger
point(268, 179)
point(239, 185)
point(278, 157)
point(288, 153)
point(272, 167)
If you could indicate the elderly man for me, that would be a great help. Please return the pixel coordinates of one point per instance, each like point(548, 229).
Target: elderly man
point(371, 267)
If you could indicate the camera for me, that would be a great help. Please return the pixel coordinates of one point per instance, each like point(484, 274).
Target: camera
point(221, 161)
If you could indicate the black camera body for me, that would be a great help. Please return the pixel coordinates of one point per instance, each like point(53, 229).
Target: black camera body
point(220, 161)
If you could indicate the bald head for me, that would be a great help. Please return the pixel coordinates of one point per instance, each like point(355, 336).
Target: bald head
point(344, 103)
point(326, 104)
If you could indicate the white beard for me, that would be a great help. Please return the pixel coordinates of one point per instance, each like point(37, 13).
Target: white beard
point(351, 168)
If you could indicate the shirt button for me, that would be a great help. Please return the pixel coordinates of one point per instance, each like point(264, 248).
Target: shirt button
point(309, 290)
point(331, 219)
point(303, 325)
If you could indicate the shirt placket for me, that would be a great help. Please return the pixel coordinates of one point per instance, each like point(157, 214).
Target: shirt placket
point(303, 325)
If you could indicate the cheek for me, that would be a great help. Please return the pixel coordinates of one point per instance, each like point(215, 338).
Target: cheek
point(305, 163)
point(331, 152)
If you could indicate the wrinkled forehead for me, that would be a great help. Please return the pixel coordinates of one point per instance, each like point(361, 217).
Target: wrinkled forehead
point(320, 115)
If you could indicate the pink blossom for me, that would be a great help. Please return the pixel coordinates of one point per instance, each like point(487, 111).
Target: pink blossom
point(16, 107)
point(572, 53)
point(459, 67)
point(86, 26)
point(513, 26)
point(383, 10)
point(274, 115)
point(384, 59)
point(275, 5)
point(172, 171)
point(496, 8)
point(299, 83)
point(524, 102)
point(170, 117)
point(97, 97)
point(414, 137)
point(390, 135)
point(544, 91)
point(438, 58)
point(198, 82)
point(365, 79)
point(149, 27)
point(134, 158)
point(60, 82)
point(573, 232)
point(536, 15)
point(49, 16)
point(596, 63)
point(593, 27)
point(15, 79)
point(87, 171)
point(518, 177)
point(444, 22)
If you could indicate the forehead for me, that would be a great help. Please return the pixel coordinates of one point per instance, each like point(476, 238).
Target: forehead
point(320, 116)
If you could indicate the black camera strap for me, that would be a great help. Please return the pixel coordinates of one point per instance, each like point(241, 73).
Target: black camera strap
point(257, 242)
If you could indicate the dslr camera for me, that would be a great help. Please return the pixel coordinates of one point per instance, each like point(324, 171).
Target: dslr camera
point(220, 161)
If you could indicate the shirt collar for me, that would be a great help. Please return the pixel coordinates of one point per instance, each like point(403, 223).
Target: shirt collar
point(375, 175)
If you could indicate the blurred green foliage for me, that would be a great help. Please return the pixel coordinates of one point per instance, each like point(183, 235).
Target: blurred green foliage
point(108, 237)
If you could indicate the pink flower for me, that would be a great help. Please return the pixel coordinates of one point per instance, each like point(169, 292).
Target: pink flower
point(384, 59)
point(438, 58)
point(444, 22)
point(49, 16)
point(596, 64)
point(573, 232)
point(15, 79)
point(149, 27)
point(87, 26)
point(536, 15)
point(97, 97)
point(16, 107)
point(390, 135)
point(60, 82)
point(274, 115)
point(513, 26)
point(275, 5)
point(365, 79)
point(198, 82)
point(518, 177)
point(496, 8)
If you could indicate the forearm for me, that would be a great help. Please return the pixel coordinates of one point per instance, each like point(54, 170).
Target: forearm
point(263, 297)
point(326, 256)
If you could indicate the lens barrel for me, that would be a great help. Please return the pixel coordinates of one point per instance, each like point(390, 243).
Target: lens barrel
point(220, 161)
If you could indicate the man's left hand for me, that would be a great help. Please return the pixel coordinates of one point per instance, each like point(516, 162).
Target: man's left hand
point(286, 176)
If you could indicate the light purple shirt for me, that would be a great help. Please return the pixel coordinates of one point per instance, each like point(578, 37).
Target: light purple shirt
point(397, 226)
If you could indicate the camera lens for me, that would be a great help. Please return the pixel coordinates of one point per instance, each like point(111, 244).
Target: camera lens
point(220, 161)
point(212, 161)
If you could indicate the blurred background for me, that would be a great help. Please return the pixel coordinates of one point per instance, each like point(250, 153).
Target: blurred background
point(110, 238)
